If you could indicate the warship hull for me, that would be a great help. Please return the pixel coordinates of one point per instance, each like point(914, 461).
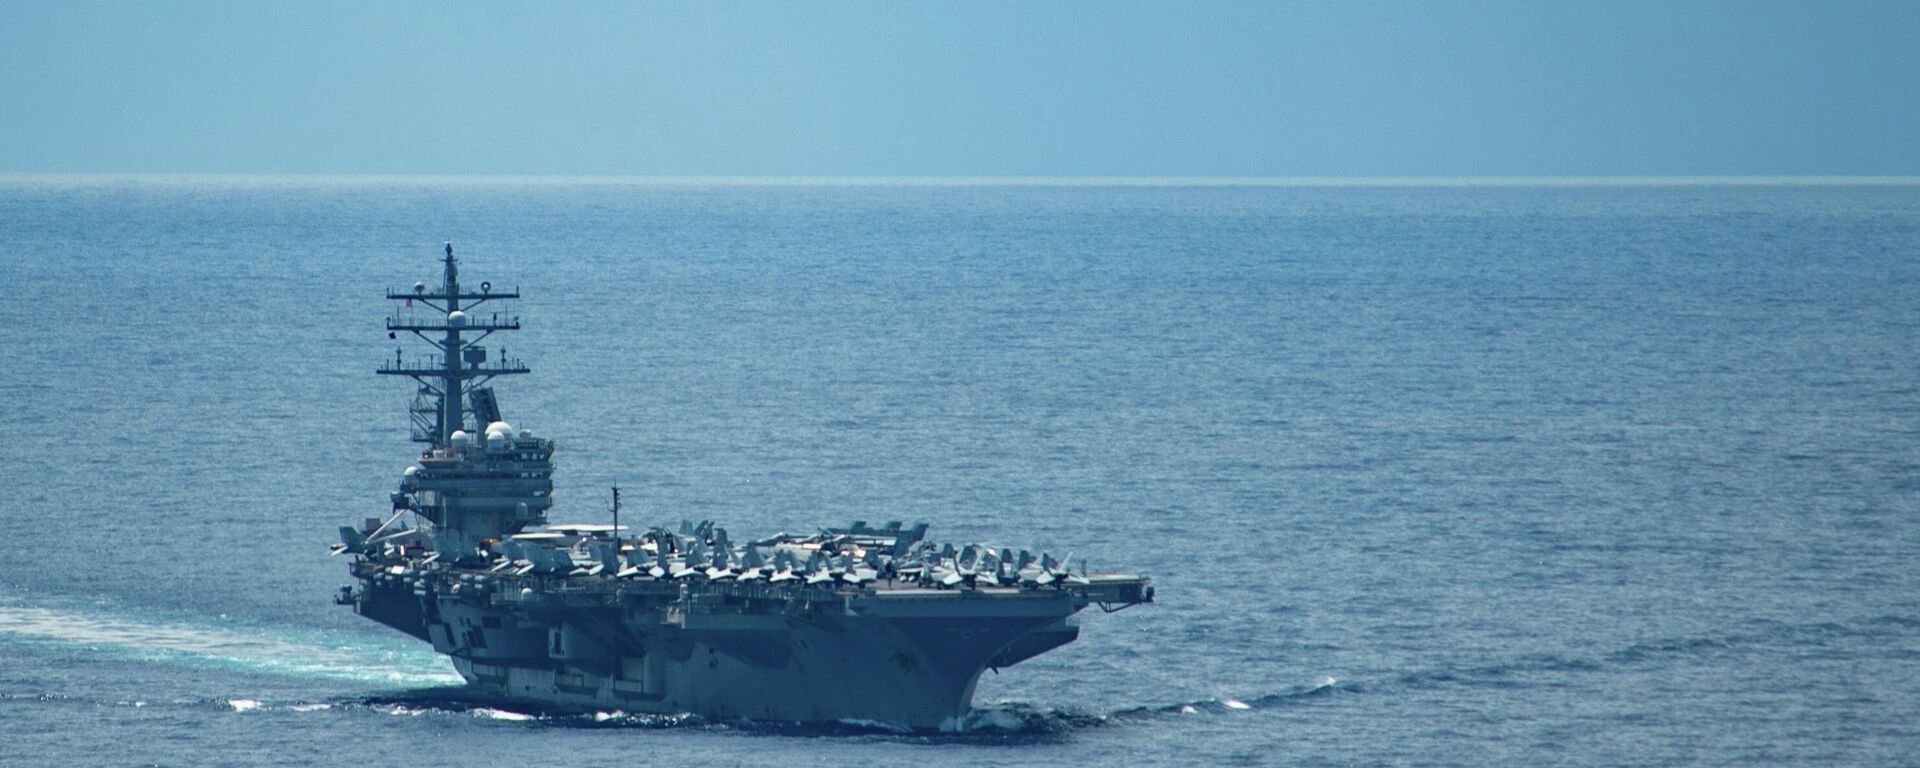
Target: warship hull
point(905, 658)
point(867, 624)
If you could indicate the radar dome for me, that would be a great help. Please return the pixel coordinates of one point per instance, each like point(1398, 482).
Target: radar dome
point(456, 318)
point(460, 438)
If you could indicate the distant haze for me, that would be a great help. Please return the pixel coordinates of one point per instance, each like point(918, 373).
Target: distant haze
point(970, 89)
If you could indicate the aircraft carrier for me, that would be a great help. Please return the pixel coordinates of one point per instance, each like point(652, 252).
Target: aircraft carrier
point(866, 624)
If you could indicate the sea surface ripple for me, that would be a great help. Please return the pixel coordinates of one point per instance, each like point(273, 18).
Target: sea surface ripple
point(1572, 474)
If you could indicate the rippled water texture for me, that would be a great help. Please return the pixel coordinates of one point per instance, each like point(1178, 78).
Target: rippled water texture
point(1496, 474)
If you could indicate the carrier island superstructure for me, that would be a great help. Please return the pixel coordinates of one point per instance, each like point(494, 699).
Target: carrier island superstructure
point(864, 623)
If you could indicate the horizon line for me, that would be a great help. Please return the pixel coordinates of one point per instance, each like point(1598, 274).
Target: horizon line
point(964, 181)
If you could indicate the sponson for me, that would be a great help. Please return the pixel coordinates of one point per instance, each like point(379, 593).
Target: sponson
point(871, 624)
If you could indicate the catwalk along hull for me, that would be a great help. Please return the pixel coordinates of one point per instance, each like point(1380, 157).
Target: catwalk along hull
point(863, 623)
point(906, 657)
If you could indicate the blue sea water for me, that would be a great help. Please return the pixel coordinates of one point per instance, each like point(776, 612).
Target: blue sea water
point(1507, 474)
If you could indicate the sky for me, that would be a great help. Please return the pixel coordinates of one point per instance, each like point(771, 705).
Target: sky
point(1117, 88)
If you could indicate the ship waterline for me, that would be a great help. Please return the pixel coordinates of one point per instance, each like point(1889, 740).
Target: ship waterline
point(869, 624)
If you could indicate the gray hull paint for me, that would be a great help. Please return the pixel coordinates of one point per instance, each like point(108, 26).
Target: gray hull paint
point(896, 662)
point(863, 623)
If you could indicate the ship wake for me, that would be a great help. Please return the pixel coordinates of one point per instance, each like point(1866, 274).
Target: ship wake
point(244, 649)
point(1010, 720)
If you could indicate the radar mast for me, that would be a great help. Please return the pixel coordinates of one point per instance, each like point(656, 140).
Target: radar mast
point(473, 482)
point(459, 368)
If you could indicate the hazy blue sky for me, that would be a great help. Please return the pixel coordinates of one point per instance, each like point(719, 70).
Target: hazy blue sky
point(953, 88)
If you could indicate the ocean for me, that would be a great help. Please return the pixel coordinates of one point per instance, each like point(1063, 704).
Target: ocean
point(1425, 472)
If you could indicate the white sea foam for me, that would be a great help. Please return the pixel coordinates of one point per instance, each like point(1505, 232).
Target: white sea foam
point(878, 725)
point(243, 705)
point(1235, 704)
point(252, 650)
point(501, 714)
